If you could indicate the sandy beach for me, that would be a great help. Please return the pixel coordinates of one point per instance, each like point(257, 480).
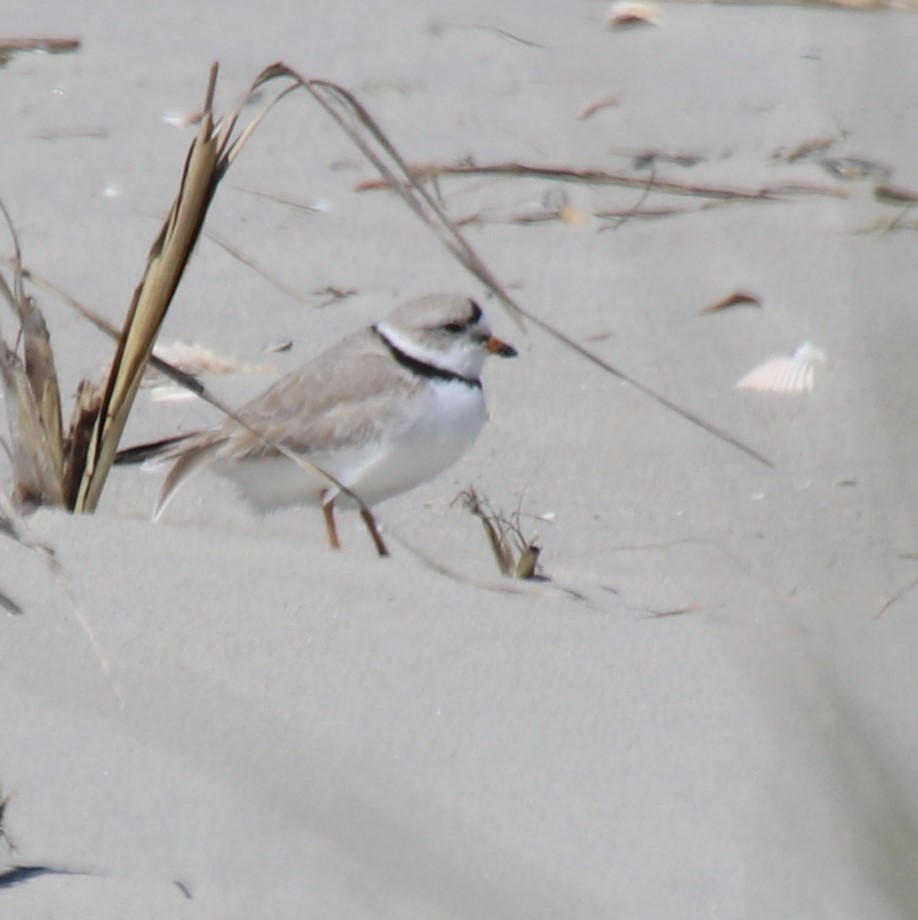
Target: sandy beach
point(707, 709)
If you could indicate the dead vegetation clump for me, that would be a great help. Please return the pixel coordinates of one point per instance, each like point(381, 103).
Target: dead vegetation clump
point(516, 555)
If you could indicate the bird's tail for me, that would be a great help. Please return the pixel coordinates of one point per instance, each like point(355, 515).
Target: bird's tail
point(152, 451)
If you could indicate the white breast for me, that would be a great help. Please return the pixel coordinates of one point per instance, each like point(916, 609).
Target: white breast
point(440, 423)
point(448, 416)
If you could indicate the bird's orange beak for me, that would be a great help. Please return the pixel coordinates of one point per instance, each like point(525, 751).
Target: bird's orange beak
point(500, 348)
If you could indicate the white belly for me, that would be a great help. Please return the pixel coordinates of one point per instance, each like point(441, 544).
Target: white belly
point(442, 422)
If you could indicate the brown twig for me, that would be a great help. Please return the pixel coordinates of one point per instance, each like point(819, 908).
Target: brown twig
point(905, 589)
point(246, 259)
point(11, 46)
point(603, 177)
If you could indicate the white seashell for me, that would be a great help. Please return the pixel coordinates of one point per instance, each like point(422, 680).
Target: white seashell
point(182, 119)
point(193, 358)
point(795, 373)
point(633, 13)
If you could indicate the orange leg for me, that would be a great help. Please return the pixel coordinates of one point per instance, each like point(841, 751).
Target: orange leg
point(328, 510)
point(370, 521)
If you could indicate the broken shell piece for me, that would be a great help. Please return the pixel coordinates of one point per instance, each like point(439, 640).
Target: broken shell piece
point(182, 119)
point(785, 374)
point(625, 13)
point(195, 359)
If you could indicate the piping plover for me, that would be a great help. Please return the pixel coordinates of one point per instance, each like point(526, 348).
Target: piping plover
point(384, 410)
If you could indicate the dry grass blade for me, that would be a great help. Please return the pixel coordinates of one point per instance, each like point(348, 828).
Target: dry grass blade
point(38, 356)
point(659, 398)
point(495, 533)
point(42, 376)
point(902, 592)
point(37, 479)
point(79, 436)
point(427, 171)
point(5, 798)
point(32, 396)
point(165, 267)
point(243, 257)
point(9, 605)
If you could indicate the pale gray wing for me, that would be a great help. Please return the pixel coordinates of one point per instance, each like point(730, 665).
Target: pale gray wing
point(351, 393)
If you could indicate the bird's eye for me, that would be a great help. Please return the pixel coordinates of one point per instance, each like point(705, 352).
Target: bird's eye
point(453, 328)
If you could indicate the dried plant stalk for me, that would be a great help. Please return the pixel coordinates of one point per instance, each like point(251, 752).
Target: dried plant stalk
point(42, 377)
point(32, 395)
point(37, 477)
point(39, 357)
point(502, 533)
point(83, 422)
point(165, 267)
point(427, 171)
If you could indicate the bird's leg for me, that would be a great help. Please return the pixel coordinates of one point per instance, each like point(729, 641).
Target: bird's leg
point(328, 511)
point(370, 521)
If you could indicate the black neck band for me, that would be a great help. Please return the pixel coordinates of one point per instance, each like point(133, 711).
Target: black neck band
point(422, 368)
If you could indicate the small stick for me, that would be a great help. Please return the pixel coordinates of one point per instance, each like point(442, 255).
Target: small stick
point(51, 45)
point(601, 177)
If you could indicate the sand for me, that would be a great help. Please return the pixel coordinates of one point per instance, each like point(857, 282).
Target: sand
point(721, 725)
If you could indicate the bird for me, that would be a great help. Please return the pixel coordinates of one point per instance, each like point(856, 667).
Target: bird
point(385, 409)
